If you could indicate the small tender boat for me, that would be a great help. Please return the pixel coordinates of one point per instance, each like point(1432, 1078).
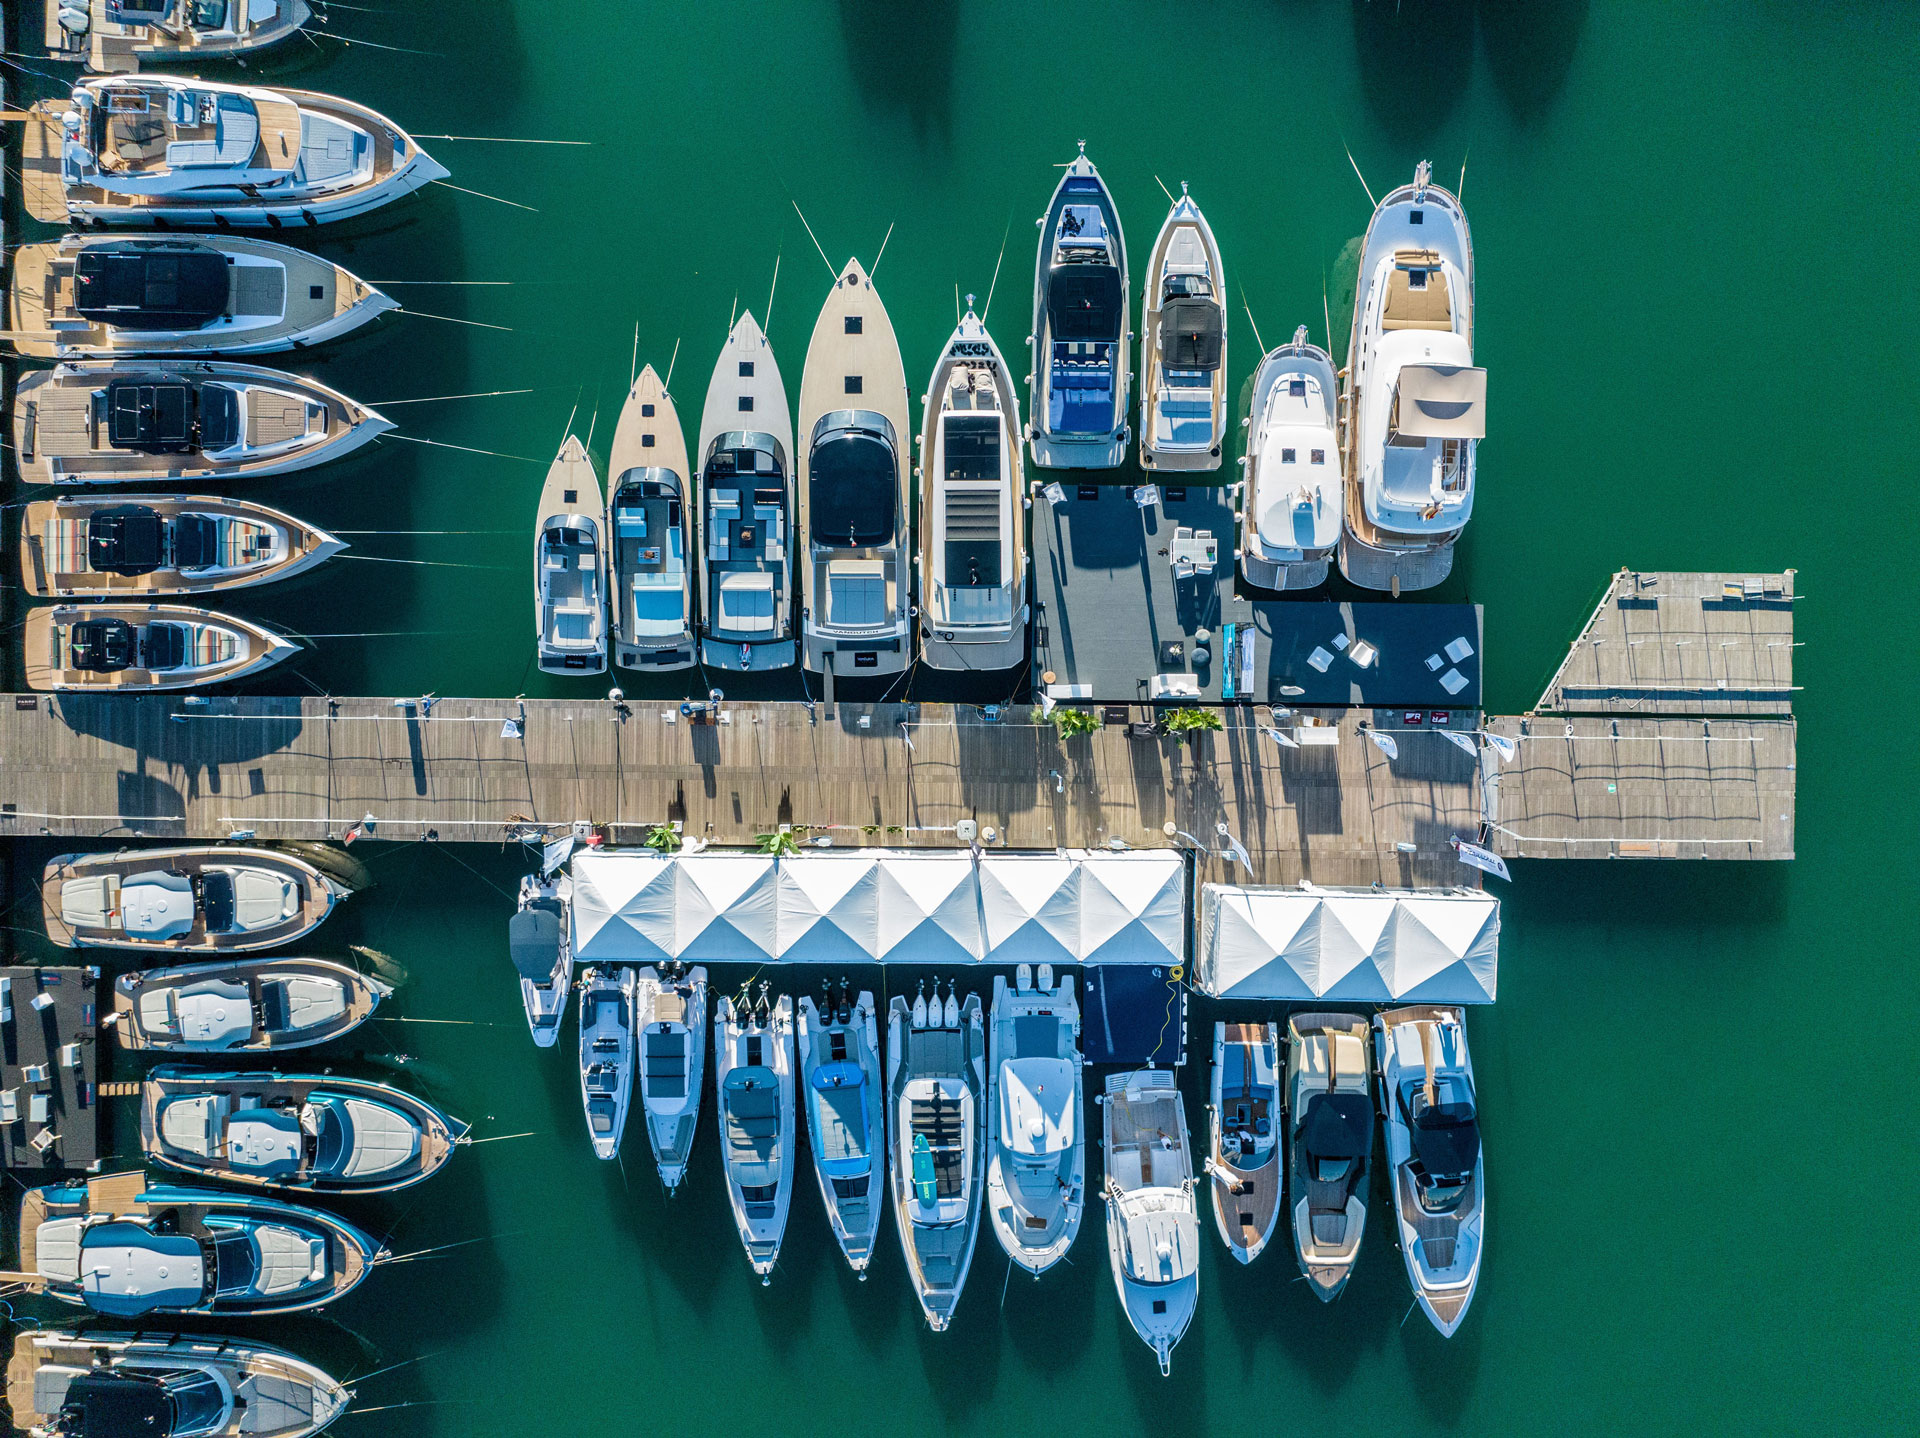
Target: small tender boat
point(1153, 1231)
point(207, 899)
point(1080, 327)
point(92, 546)
point(243, 1005)
point(1434, 1154)
point(570, 566)
point(840, 1074)
point(543, 953)
point(1329, 1144)
point(128, 1249)
point(112, 32)
point(1415, 405)
point(753, 1071)
point(606, 1054)
point(1036, 1144)
point(163, 421)
point(649, 529)
point(163, 151)
point(673, 1048)
point(1245, 1163)
point(974, 603)
point(1293, 495)
point(936, 1137)
point(854, 426)
point(746, 509)
point(160, 295)
point(143, 647)
point(1183, 345)
point(95, 1384)
point(315, 1133)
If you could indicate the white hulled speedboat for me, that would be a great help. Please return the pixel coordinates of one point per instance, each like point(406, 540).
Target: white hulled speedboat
point(606, 1054)
point(1293, 496)
point(1244, 1112)
point(135, 648)
point(649, 529)
point(112, 32)
point(1415, 405)
point(1036, 1143)
point(1080, 327)
point(936, 1103)
point(974, 602)
point(1433, 1152)
point(570, 567)
point(542, 952)
point(753, 1073)
point(672, 1019)
point(1153, 1230)
point(840, 1074)
point(1329, 1144)
point(1183, 346)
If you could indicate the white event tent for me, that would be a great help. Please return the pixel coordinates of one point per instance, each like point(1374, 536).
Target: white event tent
point(886, 906)
point(1350, 945)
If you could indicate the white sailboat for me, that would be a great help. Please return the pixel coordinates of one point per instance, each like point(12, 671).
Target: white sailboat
point(840, 1074)
point(672, 1019)
point(753, 1073)
point(1036, 1142)
point(1153, 1228)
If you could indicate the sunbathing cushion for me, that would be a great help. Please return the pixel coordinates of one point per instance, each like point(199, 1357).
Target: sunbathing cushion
point(57, 1249)
point(311, 1001)
point(381, 1139)
point(262, 899)
point(195, 1125)
point(288, 1259)
point(157, 1012)
point(86, 902)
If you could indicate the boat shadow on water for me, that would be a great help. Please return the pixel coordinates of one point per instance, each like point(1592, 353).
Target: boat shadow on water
point(902, 57)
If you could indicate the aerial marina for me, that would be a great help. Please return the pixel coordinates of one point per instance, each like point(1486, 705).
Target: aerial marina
point(1074, 800)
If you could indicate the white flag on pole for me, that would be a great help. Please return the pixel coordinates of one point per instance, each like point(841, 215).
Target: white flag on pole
point(1465, 741)
point(1484, 860)
point(1280, 737)
point(555, 853)
point(1508, 750)
point(1238, 849)
point(1385, 743)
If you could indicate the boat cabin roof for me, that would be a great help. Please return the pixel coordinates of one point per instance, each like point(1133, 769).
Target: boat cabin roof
point(151, 287)
point(852, 479)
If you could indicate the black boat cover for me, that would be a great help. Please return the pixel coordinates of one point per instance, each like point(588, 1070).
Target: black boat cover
point(101, 646)
point(533, 937)
point(124, 541)
point(219, 416)
point(1083, 302)
point(106, 1404)
point(196, 541)
point(1191, 334)
point(152, 418)
point(851, 481)
point(1446, 1140)
point(150, 287)
point(164, 646)
point(1338, 1125)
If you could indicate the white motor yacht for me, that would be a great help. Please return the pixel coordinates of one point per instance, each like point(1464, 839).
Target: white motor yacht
point(1245, 1164)
point(1292, 496)
point(753, 1073)
point(606, 1054)
point(1183, 346)
point(840, 1073)
point(854, 432)
point(143, 648)
point(1081, 370)
point(1153, 1227)
point(542, 952)
point(974, 600)
point(110, 33)
point(1036, 1142)
point(936, 1106)
point(746, 509)
point(649, 529)
point(1433, 1151)
point(1415, 405)
point(673, 1048)
point(1329, 1143)
point(570, 566)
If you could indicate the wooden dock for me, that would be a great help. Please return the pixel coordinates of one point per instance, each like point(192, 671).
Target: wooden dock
point(1339, 812)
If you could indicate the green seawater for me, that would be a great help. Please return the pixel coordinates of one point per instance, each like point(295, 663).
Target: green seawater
point(1694, 242)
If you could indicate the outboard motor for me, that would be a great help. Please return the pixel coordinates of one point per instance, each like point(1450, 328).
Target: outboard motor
point(920, 1005)
point(953, 1007)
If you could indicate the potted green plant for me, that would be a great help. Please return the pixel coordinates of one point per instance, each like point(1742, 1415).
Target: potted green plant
point(1070, 723)
point(1193, 721)
point(662, 839)
point(781, 845)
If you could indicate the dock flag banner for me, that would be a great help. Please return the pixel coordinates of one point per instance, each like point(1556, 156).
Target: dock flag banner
point(1484, 860)
point(1385, 742)
point(1465, 741)
point(1506, 748)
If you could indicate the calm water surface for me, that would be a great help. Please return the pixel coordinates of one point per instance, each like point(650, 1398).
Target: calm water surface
point(1691, 225)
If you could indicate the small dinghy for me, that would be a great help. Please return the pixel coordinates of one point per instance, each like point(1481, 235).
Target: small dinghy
point(243, 1005)
point(308, 1132)
point(606, 1054)
point(1244, 1112)
point(1293, 496)
point(746, 509)
point(1434, 1155)
point(649, 524)
point(673, 1071)
point(89, 295)
point(1080, 327)
point(164, 421)
point(1183, 346)
point(840, 1074)
point(1153, 1231)
point(206, 899)
point(753, 1072)
point(543, 953)
point(108, 1385)
point(973, 520)
point(1037, 1145)
point(111, 32)
point(93, 547)
point(936, 1140)
point(1330, 1143)
point(143, 648)
point(570, 567)
point(158, 150)
point(130, 1250)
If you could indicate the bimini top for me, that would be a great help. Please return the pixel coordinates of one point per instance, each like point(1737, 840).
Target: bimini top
point(169, 1403)
point(163, 416)
point(152, 286)
point(851, 486)
point(1192, 333)
point(1442, 402)
point(1038, 1100)
point(1083, 302)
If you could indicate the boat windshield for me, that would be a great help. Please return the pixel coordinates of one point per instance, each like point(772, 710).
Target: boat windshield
point(851, 485)
point(1083, 302)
